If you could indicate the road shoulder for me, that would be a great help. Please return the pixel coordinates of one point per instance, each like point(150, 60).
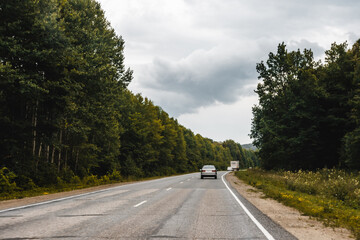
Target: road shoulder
point(302, 227)
point(13, 203)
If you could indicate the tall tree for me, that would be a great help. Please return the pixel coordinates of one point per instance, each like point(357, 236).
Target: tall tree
point(65, 109)
point(285, 125)
point(307, 115)
point(351, 141)
point(336, 81)
point(32, 46)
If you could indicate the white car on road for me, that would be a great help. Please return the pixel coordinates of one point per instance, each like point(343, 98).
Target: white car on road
point(208, 171)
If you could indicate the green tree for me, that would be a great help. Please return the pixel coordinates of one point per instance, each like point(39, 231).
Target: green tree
point(193, 154)
point(97, 65)
point(65, 110)
point(336, 79)
point(285, 125)
point(351, 141)
point(307, 115)
point(62, 75)
point(181, 161)
point(32, 45)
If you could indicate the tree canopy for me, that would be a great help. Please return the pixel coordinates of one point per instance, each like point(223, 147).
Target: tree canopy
point(308, 112)
point(65, 109)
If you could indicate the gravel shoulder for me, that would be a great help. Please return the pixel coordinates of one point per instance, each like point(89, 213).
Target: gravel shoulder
point(302, 227)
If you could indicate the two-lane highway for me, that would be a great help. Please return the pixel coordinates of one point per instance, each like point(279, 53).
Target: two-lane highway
point(181, 207)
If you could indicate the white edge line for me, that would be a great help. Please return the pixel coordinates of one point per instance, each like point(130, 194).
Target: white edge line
point(51, 201)
point(140, 203)
point(262, 229)
point(84, 194)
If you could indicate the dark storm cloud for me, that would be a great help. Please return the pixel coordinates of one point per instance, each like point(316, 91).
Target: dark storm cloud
point(201, 79)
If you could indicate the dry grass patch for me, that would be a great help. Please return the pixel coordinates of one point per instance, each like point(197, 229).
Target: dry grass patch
point(330, 195)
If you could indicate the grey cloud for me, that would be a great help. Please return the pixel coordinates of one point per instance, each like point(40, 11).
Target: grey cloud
point(303, 43)
point(200, 80)
point(353, 38)
point(191, 53)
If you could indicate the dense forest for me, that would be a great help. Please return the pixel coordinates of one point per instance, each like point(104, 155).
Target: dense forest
point(308, 116)
point(65, 109)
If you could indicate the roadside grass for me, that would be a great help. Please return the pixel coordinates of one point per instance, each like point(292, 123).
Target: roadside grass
point(330, 195)
point(38, 191)
point(10, 190)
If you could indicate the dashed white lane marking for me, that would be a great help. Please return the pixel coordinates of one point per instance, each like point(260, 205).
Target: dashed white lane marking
point(139, 204)
point(262, 229)
point(181, 182)
point(168, 189)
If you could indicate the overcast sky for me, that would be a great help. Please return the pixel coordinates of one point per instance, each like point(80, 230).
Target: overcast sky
point(196, 58)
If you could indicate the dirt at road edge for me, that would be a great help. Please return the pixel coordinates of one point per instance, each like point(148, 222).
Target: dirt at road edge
point(302, 227)
point(13, 203)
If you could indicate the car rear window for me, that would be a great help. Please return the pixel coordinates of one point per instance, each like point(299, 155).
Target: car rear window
point(208, 167)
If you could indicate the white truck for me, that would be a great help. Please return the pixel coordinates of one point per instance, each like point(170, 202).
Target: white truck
point(234, 165)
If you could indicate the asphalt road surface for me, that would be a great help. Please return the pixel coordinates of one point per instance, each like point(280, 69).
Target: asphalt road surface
point(181, 207)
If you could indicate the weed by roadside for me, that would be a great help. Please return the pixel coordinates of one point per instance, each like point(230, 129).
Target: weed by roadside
point(330, 195)
point(11, 189)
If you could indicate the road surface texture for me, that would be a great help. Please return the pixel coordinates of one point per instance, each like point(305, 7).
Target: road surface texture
point(181, 207)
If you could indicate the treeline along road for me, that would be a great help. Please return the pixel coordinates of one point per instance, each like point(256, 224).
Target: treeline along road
point(66, 112)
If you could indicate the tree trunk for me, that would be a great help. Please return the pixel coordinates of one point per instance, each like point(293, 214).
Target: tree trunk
point(40, 148)
point(34, 123)
point(59, 156)
point(47, 153)
point(66, 156)
point(38, 157)
point(76, 159)
point(53, 154)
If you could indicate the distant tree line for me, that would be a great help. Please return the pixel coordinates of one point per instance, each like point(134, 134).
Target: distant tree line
point(308, 115)
point(65, 109)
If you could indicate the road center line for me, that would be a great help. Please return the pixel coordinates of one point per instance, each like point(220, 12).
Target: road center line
point(262, 229)
point(140, 203)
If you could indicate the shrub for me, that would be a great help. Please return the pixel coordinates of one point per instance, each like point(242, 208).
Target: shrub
point(7, 181)
point(105, 179)
point(25, 183)
point(60, 183)
point(332, 183)
point(331, 195)
point(115, 176)
point(75, 180)
point(91, 180)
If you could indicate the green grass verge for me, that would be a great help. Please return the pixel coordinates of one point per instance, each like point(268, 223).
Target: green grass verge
point(332, 196)
point(38, 191)
point(77, 183)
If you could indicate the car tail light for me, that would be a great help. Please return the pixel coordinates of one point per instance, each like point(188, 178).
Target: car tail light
point(203, 171)
point(213, 170)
